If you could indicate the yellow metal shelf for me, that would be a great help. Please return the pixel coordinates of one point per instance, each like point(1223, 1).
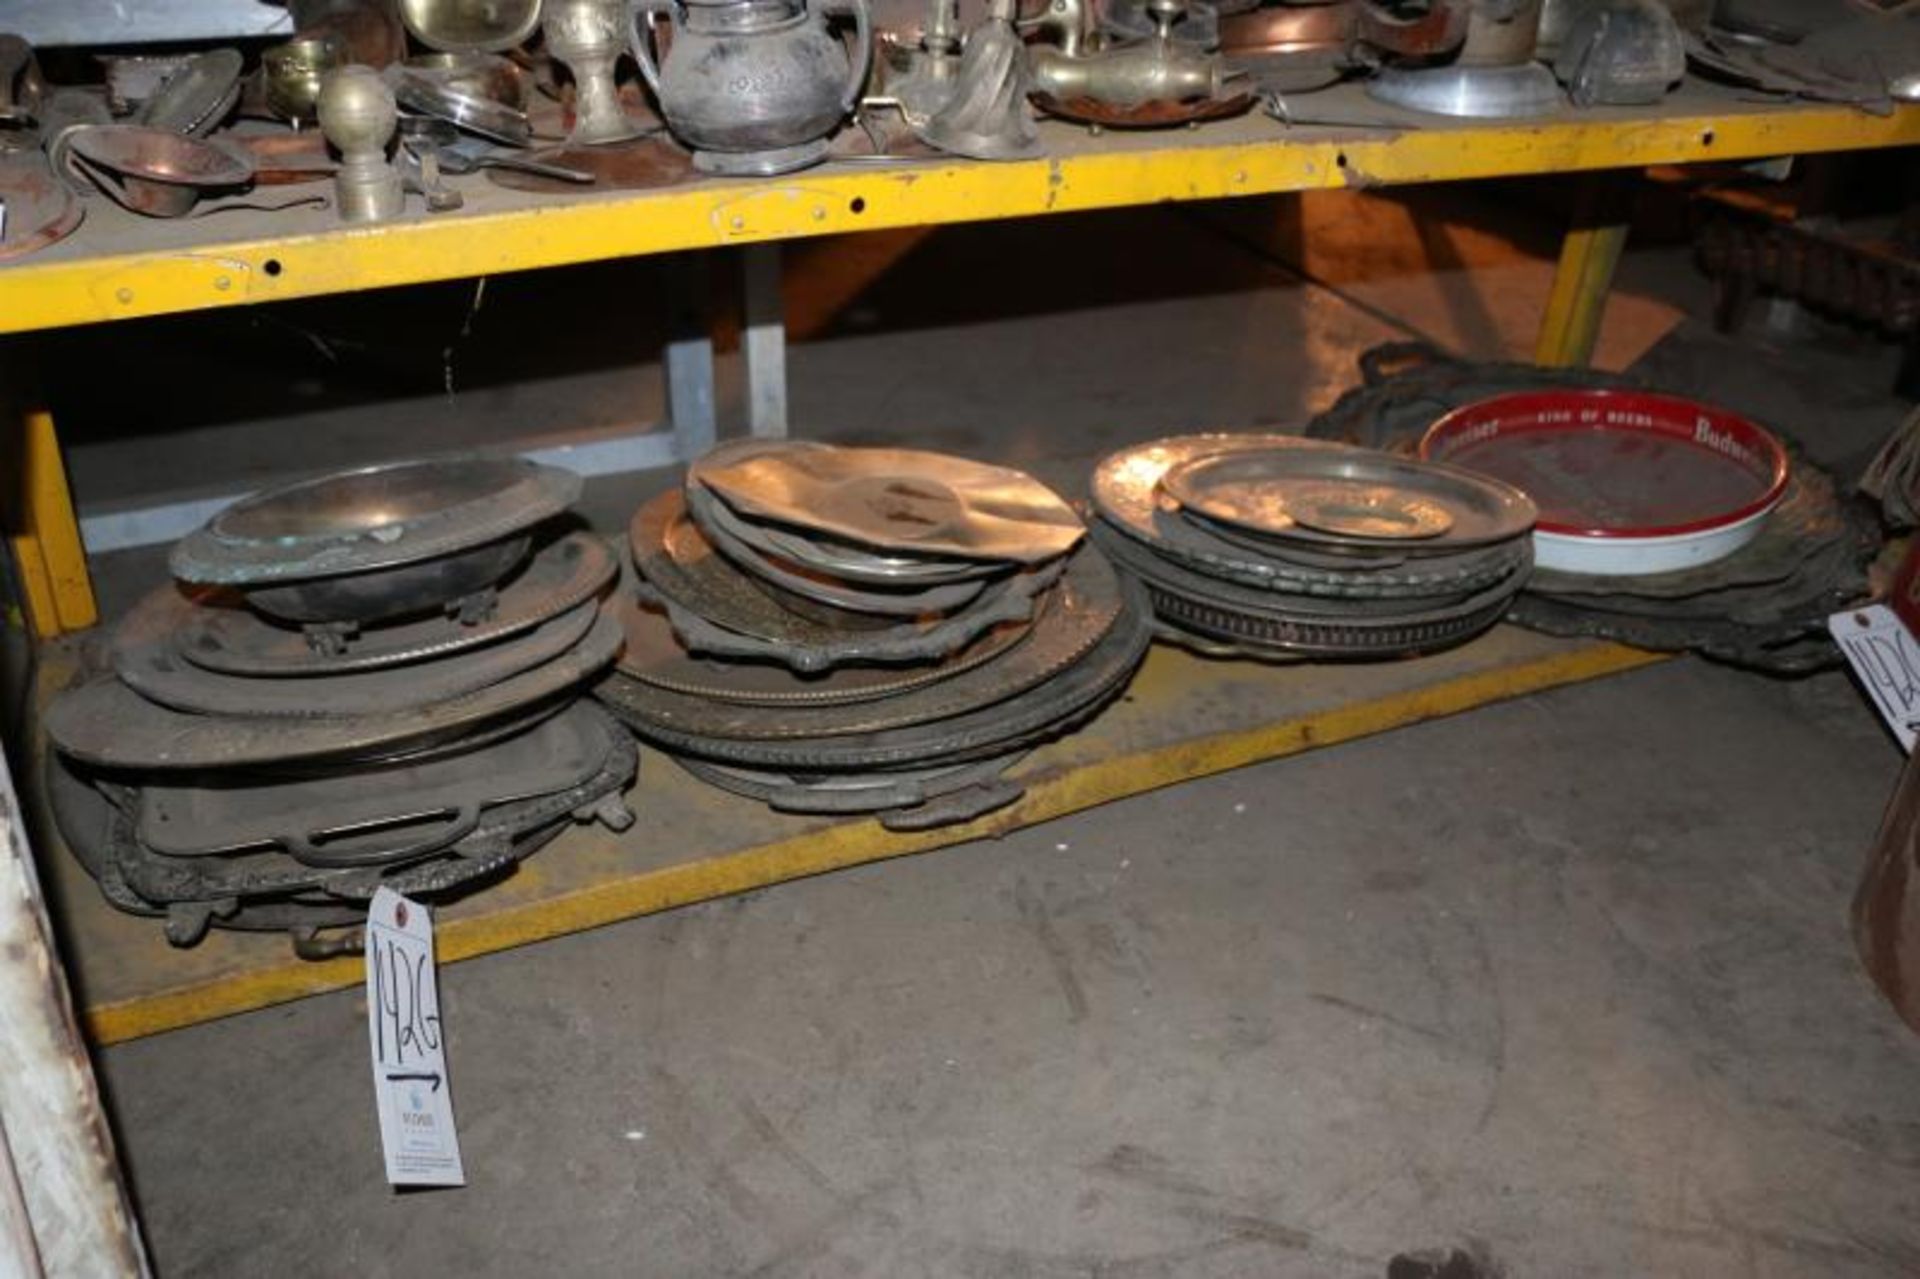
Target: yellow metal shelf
point(1183, 717)
point(119, 267)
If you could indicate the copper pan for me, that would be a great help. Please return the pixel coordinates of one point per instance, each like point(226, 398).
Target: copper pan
point(1293, 30)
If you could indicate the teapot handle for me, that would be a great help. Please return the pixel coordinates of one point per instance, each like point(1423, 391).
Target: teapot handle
point(863, 37)
point(641, 17)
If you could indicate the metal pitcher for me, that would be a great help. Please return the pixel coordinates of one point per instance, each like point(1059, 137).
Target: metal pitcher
point(754, 86)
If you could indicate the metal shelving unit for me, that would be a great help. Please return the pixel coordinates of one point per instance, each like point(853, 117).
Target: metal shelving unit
point(118, 267)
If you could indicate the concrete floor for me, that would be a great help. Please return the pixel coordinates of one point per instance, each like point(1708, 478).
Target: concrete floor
point(1565, 982)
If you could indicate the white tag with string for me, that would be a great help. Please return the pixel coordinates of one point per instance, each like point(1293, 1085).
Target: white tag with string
point(1886, 660)
point(409, 1053)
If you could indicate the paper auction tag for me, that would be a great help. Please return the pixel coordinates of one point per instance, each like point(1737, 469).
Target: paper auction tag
point(409, 1057)
point(1885, 657)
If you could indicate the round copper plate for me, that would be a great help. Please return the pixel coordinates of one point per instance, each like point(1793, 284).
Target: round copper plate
point(1147, 115)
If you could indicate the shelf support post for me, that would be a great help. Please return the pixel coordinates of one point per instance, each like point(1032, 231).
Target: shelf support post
point(687, 363)
point(764, 342)
point(42, 531)
point(1584, 277)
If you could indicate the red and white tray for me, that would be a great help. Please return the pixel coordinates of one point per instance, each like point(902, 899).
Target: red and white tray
point(1627, 482)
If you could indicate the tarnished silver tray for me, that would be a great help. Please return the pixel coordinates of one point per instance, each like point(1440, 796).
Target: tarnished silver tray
point(1073, 619)
point(108, 725)
point(717, 609)
point(238, 641)
point(365, 815)
point(377, 517)
point(1308, 491)
point(721, 528)
point(145, 658)
point(895, 499)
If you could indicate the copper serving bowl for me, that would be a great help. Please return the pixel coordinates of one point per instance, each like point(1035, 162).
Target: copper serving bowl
point(155, 171)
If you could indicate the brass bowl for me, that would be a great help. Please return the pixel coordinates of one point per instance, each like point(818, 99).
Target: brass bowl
point(470, 26)
point(292, 73)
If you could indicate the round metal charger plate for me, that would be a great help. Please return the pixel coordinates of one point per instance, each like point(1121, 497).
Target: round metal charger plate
point(144, 657)
point(717, 609)
point(653, 656)
point(238, 641)
point(900, 500)
point(1201, 551)
point(196, 97)
point(1044, 712)
point(418, 93)
point(1522, 91)
point(227, 813)
point(372, 518)
point(844, 560)
point(1195, 545)
point(646, 164)
point(719, 526)
point(108, 725)
point(1323, 640)
point(1126, 493)
point(1072, 620)
point(1177, 578)
point(1278, 492)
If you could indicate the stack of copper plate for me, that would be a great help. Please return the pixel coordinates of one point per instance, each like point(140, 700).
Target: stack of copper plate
point(1272, 546)
point(866, 630)
point(367, 679)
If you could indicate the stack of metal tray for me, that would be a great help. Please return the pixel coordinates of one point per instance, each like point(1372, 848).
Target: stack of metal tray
point(865, 630)
point(1765, 607)
point(368, 679)
point(1275, 547)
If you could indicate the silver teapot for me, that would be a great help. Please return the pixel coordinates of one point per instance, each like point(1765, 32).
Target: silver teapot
point(755, 87)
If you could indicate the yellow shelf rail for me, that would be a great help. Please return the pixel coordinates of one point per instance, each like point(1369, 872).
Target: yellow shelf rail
point(170, 268)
